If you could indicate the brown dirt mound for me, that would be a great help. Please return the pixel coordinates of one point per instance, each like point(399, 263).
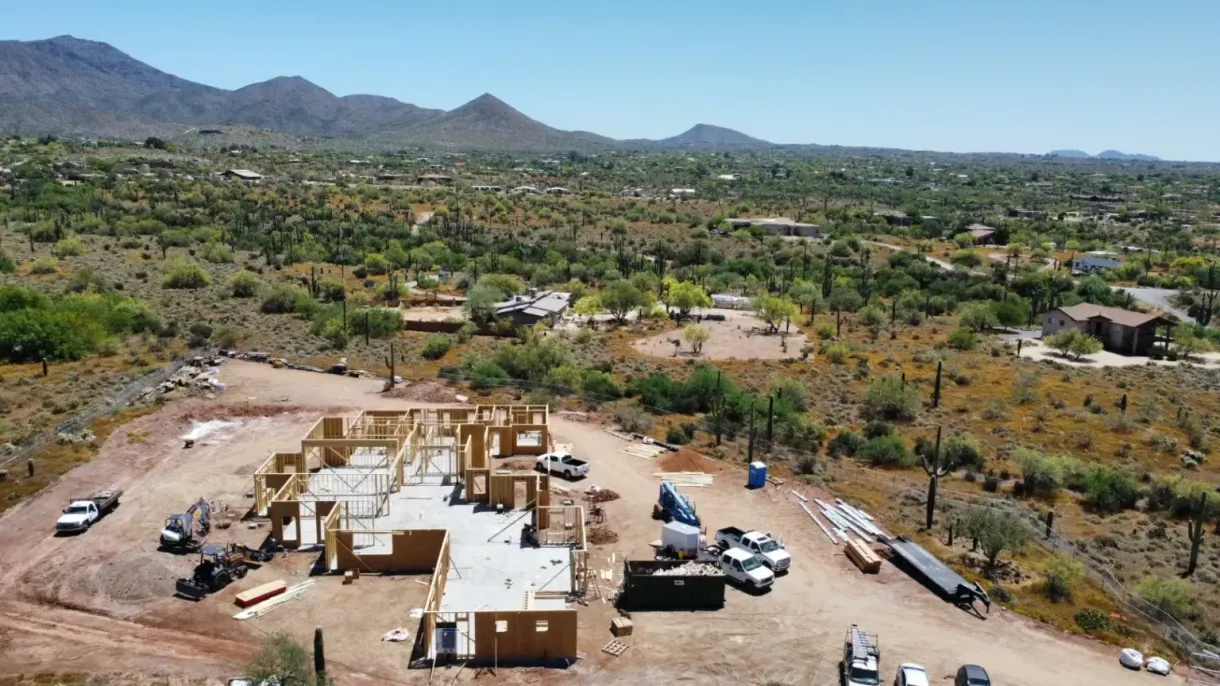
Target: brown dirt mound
point(423, 392)
point(516, 465)
point(204, 413)
point(686, 460)
point(601, 535)
point(604, 495)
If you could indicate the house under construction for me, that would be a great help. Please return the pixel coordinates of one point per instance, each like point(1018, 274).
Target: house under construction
point(414, 491)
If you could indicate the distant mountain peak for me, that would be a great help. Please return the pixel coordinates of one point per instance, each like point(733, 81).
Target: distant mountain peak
point(710, 135)
point(1103, 155)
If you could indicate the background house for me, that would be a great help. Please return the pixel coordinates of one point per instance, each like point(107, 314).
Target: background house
point(1093, 264)
point(1120, 331)
point(777, 226)
point(243, 175)
point(534, 306)
point(981, 233)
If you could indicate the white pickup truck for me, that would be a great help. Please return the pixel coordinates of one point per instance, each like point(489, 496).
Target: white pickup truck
point(80, 514)
point(746, 569)
point(769, 550)
point(562, 463)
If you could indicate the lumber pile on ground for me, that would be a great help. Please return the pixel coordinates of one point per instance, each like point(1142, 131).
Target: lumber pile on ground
point(863, 556)
point(694, 479)
point(260, 593)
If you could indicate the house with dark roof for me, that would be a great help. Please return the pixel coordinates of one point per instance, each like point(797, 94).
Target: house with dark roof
point(895, 217)
point(243, 175)
point(1093, 264)
point(1121, 331)
point(534, 306)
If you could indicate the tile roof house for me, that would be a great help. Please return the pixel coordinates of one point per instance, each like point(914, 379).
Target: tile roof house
point(1119, 330)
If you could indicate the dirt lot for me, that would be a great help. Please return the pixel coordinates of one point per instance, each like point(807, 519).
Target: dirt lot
point(738, 337)
point(429, 313)
point(100, 602)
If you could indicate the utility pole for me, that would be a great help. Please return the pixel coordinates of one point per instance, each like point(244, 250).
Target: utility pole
point(750, 440)
point(319, 657)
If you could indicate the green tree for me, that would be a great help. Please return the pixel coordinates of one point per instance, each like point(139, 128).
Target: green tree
point(696, 335)
point(185, 274)
point(481, 302)
point(978, 316)
point(773, 310)
point(282, 661)
point(506, 284)
point(1188, 342)
point(997, 532)
point(619, 298)
point(807, 295)
point(1075, 343)
point(685, 296)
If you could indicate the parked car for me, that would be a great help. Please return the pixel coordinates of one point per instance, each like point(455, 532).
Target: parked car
point(911, 675)
point(562, 463)
point(81, 513)
point(770, 551)
point(971, 675)
point(746, 569)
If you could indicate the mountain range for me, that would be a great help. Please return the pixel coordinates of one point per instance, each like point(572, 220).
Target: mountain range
point(70, 86)
point(1103, 155)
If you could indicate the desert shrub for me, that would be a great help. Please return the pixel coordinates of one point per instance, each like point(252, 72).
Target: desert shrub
point(1109, 490)
point(962, 449)
point(1044, 474)
point(436, 347)
point(826, 330)
point(1025, 388)
point(890, 399)
point(228, 336)
point(376, 263)
point(331, 290)
point(838, 353)
point(7, 266)
point(995, 531)
point(564, 379)
point(991, 484)
point(72, 246)
point(963, 339)
point(185, 274)
point(846, 443)
point(871, 315)
point(285, 299)
point(1092, 620)
point(484, 373)
point(886, 451)
point(676, 436)
point(877, 429)
point(791, 391)
point(217, 253)
point(377, 322)
point(244, 284)
point(44, 265)
point(632, 418)
point(600, 386)
point(360, 272)
point(1175, 597)
point(1061, 572)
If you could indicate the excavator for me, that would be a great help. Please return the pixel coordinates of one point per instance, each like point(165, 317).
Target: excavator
point(182, 534)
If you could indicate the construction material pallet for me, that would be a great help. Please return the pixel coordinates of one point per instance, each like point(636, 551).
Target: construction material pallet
point(615, 647)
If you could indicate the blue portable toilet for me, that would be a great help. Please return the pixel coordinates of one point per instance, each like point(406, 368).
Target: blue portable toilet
point(758, 475)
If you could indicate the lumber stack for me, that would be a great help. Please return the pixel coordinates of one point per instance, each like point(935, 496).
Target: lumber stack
point(260, 593)
point(693, 479)
point(863, 556)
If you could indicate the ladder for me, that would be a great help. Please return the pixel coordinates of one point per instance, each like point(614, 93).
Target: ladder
point(861, 647)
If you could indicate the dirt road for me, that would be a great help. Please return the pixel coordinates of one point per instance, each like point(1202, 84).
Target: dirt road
point(101, 601)
point(794, 633)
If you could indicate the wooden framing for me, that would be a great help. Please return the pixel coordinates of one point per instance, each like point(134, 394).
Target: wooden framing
point(448, 442)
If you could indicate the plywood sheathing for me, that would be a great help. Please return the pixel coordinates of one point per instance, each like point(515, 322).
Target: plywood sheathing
point(525, 636)
point(411, 550)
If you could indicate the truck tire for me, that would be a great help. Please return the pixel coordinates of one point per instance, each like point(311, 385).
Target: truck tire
point(567, 474)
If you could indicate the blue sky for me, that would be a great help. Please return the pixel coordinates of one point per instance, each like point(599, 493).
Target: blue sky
point(952, 75)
